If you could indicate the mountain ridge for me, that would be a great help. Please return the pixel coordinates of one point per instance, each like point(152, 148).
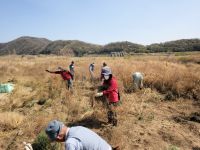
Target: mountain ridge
point(27, 45)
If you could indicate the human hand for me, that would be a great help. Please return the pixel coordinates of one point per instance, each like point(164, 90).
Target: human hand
point(27, 146)
point(99, 94)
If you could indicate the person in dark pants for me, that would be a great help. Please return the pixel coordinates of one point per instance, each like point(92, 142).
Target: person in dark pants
point(110, 90)
point(66, 75)
point(71, 69)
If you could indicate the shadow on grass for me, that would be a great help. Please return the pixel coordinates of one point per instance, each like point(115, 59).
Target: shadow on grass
point(194, 117)
point(89, 122)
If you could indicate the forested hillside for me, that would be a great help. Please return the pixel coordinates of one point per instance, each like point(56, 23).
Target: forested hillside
point(176, 46)
point(35, 46)
point(24, 46)
point(71, 47)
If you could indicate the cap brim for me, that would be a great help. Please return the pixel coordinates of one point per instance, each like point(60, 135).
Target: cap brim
point(106, 74)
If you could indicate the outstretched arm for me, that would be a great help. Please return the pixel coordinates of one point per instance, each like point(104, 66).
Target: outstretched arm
point(49, 71)
point(56, 72)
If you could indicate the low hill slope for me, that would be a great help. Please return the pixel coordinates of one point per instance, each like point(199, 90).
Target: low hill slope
point(33, 46)
point(123, 47)
point(71, 47)
point(176, 46)
point(24, 45)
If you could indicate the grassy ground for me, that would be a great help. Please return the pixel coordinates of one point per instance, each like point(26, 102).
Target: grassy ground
point(158, 117)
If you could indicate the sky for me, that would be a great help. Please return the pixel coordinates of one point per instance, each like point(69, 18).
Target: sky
point(100, 21)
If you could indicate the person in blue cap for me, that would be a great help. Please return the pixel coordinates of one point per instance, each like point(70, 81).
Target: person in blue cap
point(76, 138)
point(110, 90)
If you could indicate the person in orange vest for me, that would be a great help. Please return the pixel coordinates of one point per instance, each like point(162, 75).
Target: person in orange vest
point(66, 75)
point(112, 95)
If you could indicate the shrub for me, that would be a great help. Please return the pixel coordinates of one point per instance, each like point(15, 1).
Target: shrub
point(43, 143)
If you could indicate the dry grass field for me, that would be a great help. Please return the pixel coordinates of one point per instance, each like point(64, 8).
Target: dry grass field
point(161, 116)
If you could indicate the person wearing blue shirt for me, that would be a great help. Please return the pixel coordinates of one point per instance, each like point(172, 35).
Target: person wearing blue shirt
point(76, 138)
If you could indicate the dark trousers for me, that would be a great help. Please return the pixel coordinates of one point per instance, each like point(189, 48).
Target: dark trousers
point(112, 113)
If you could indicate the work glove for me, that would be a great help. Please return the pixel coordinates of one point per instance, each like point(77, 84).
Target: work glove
point(99, 94)
point(27, 146)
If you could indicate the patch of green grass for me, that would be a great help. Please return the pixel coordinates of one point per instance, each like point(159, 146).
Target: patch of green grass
point(43, 143)
point(173, 147)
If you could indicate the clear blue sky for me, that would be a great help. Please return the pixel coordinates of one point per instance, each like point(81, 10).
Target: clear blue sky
point(100, 21)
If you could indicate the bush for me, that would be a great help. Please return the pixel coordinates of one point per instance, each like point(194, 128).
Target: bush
point(43, 143)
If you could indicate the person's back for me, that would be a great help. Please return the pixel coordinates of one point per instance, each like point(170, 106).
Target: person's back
point(81, 138)
point(91, 70)
point(137, 80)
point(91, 67)
point(66, 75)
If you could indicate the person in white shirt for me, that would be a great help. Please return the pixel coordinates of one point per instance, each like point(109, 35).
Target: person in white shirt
point(91, 70)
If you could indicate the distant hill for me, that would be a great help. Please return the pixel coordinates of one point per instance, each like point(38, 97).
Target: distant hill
point(34, 46)
point(176, 46)
point(71, 47)
point(24, 45)
point(123, 47)
point(1, 45)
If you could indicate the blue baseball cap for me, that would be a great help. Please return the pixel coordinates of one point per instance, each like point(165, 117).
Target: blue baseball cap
point(53, 129)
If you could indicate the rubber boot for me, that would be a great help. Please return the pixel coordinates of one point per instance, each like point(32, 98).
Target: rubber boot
point(114, 119)
point(110, 116)
point(114, 122)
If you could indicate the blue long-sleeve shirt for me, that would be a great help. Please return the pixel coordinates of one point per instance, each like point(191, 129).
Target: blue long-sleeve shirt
point(81, 138)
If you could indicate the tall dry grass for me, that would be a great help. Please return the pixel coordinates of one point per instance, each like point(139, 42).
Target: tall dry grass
point(33, 83)
point(10, 120)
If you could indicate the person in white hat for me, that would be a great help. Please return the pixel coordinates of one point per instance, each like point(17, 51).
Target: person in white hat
point(111, 92)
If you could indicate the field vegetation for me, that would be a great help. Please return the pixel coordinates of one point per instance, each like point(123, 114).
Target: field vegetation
point(162, 116)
